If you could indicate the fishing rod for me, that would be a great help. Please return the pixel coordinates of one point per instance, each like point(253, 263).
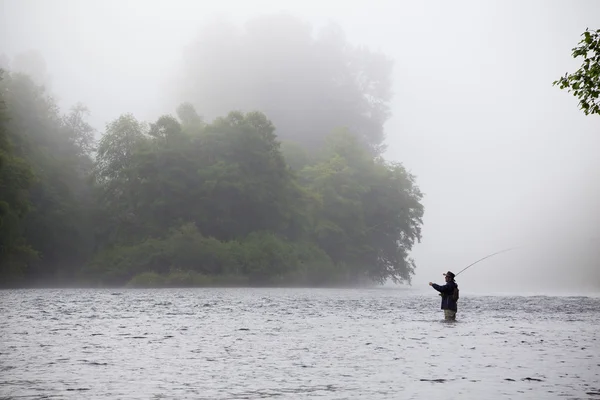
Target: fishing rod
point(488, 256)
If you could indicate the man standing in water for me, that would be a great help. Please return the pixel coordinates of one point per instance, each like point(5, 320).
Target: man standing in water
point(449, 293)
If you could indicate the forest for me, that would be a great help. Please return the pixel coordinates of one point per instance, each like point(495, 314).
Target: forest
point(283, 183)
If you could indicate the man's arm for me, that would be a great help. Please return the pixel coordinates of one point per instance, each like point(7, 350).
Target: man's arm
point(442, 289)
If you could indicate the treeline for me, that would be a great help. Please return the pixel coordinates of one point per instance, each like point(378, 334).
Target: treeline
point(185, 202)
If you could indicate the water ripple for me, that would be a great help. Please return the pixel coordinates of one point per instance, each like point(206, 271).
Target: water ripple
point(293, 343)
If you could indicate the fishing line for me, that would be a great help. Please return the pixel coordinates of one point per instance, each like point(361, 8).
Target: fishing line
point(488, 256)
point(496, 253)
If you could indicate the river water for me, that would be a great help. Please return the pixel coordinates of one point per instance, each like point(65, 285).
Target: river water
point(295, 344)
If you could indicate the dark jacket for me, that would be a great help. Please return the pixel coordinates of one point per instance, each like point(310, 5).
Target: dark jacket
point(447, 290)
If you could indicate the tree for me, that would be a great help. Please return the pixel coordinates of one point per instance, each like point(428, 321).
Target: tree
point(246, 184)
point(369, 215)
point(56, 225)
point(16, 177)
point(116, 183)
point(585, 82)
point(190, 120)
point(79, 132)
point(308, 85)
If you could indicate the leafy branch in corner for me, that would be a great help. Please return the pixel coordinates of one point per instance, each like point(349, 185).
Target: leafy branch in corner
point(585, 82)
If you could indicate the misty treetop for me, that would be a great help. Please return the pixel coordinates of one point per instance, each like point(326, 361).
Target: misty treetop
point(308, 84)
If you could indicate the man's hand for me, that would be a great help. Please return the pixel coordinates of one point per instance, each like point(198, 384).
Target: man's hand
point(430, 284)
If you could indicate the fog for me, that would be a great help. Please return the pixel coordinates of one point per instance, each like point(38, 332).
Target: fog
point(503, 157)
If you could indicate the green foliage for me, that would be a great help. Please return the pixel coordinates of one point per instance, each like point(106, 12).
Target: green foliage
point(228, 177)
point(585, 82)
point(147, 280)
point(185, 254)
point(16, 177)
point(296, 156)
point(370, 212)
point(184, 202)
point(44, 182)
point(180, 279)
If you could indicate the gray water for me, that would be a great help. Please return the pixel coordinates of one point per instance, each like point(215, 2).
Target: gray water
point(294, 344)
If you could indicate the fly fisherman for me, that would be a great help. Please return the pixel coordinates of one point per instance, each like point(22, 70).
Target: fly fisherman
point(449, 293)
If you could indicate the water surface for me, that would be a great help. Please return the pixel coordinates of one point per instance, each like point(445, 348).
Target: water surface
point(294, 344)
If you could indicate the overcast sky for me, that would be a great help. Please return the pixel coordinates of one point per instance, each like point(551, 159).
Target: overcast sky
point(503, 158)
